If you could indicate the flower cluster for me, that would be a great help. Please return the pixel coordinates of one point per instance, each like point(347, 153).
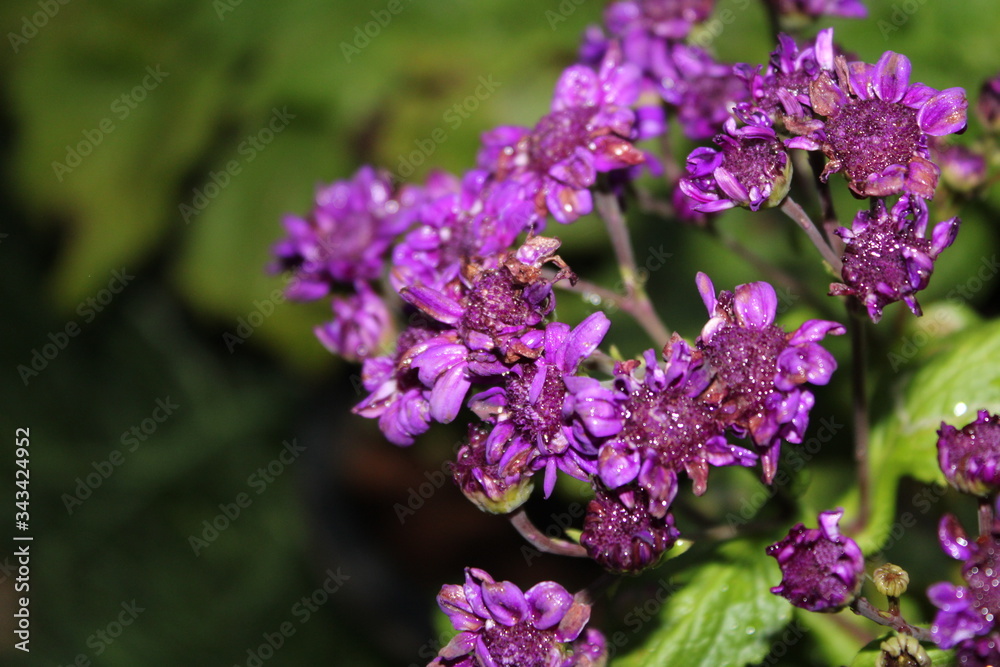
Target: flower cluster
point(460, 273)
point(822, 570)
point(499, 624)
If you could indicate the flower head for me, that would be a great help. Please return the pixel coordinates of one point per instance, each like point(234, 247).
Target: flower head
point(360, 322)
point(621, 534)
point(821, 569)
point(346, 236)
point(497, 480)
point(967, 612)
point(702, 89)
point(750, 168)
point(501, 625)
point(887, 257)
point(877, 126)
point(760, 369)
point(790, 72)
point(590, 129)
point(970, 457)
point(464, 221)
point(988, 104)
point(794, 13)
point(397, 398)
point(669, 427)
point(542, 405)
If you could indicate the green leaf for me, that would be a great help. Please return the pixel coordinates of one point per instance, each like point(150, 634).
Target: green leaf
point(869, 654)
point(724, 615)
point(962, 378)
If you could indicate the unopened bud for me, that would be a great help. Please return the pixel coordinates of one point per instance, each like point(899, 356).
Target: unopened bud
point(902, 651)
point(891, 580)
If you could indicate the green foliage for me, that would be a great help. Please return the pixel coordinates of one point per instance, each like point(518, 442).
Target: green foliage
point(723, 615)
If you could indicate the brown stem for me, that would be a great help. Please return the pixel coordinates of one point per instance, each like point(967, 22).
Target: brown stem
point(639, 305)
point(986, 514)
point(862, 607)
point(541, 541)
point(790, 208)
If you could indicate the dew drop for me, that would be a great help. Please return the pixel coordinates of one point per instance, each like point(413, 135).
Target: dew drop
point(751, 630)
point(960, 409)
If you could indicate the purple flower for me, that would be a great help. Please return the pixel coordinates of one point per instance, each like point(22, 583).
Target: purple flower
point(797, 12)
point(760, 368)
point(790, 71)
point(887, 258)
point(398, 399)
point(988, 104)
point(497, 480)
point(877, 126)
point(821, 569)
point(543, 406)
point(701, 89)
point(635, 20)
point(621, 534)
point(499, 297)
point(590, 129)
point(979, 652)
point(346, 236)
point(967, 611)
point(668, 427)
point(963, 169)
point(970, 458)
point(360, 322)
point(501, 625)
point(750, 169)
point(474, 218)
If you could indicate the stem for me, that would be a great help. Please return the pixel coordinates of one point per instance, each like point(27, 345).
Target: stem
point(859, 408)
point(830, 222)
point(639, 305)
point(542, 542)
point(790, 208)
point(986, 514)
point(862, 607)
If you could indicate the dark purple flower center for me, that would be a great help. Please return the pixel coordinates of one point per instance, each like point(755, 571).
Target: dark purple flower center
point(754, 162)
point(675, 425)
point(557, 135)
point(496, 303)
point(875, 257)
point(746, 361)
point(809, 574)
point(866, 136)
point(625, 539)
point(540, 419)
point(520, 645)
point(982, 573)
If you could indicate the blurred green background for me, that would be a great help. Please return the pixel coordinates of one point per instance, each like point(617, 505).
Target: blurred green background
point(133, 251)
